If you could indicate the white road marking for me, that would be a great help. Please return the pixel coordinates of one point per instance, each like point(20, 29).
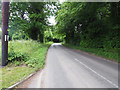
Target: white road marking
point(97, 73)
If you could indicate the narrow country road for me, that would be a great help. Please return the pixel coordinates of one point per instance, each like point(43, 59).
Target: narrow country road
point(67, 68)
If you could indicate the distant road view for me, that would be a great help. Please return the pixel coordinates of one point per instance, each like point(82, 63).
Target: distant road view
point(67, 68)
point(31, 37)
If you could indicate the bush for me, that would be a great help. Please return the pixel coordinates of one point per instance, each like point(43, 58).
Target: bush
point(17, 63)
point(0, 34)
point(16, 56)
point(29, 53)
point(32, 62)
point(18, 35)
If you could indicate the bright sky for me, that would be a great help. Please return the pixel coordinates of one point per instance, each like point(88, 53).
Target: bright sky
point(52, 20)
point(61, 1)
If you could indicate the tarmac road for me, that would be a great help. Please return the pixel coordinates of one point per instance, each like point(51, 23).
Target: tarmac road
point(67, 68)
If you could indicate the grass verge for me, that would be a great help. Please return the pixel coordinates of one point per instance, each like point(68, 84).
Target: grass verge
point(17, 70)
point(108, 54)
point(0, 51)
point(11, 75)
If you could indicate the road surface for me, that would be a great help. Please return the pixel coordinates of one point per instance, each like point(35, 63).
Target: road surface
point(68, 68)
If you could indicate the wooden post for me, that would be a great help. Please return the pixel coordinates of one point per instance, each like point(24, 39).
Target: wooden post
point(5, 18)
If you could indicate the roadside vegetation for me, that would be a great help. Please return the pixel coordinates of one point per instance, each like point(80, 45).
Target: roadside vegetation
point(92, 27)
point(28, 42)
point(24, 57)
point(0, 46)
point(0, 54)
point(108, 54)
point(31, 52)
point(12, 75)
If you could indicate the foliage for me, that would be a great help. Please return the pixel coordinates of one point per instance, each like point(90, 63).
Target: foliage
point(33, 62)
point(19, 36)
point(27, 53)
point(0, 54)
point(90, 25)
point(0, 14)
point(29, 17)
point(9, 76)
point(0, 34)
point(109, 54)
point(16, 56)
point(12, 56)
point(48, 35)
point(25, 57)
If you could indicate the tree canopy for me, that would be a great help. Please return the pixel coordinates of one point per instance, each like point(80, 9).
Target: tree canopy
point(29, 18)
point(90, 24)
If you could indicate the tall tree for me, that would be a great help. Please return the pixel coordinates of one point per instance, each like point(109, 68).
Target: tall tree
point(30, 17)
point(89, 24)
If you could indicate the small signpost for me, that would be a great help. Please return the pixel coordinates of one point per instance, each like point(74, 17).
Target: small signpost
point(5, 18)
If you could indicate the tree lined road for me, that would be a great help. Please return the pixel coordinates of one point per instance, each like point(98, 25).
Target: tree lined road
point(67, 68)
point(89, 25)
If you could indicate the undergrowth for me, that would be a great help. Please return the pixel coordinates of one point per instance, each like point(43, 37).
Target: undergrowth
point(24, 58)
point(111, 54)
